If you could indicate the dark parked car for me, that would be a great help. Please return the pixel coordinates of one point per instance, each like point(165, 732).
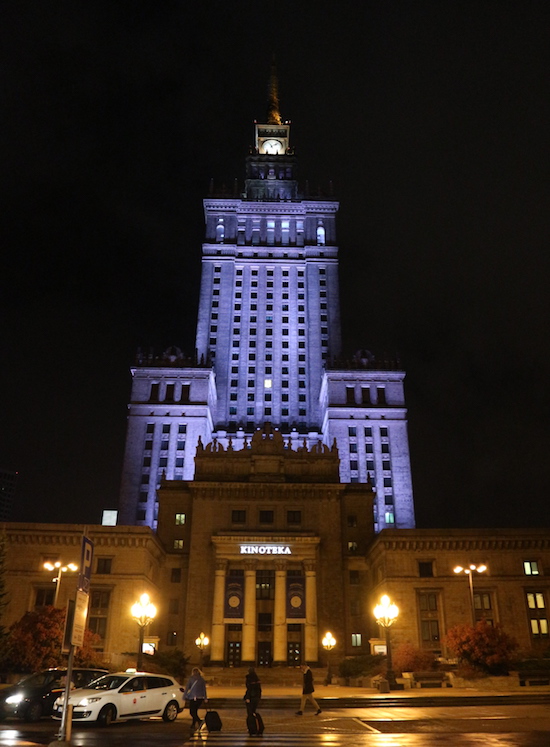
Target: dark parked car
point(34, 696)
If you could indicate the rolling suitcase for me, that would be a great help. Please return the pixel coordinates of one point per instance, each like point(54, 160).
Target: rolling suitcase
point(213, 721)
point(255, 724)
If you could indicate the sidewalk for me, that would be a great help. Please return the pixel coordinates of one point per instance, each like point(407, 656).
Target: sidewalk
point(342, 693)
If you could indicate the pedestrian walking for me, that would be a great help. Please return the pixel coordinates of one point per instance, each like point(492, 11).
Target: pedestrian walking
point(307, 691)
point(195, 695)
point(251, 698)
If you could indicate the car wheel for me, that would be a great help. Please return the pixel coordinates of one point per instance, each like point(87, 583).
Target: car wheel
point(171, 711)
point(34, 711)
point(107, 715)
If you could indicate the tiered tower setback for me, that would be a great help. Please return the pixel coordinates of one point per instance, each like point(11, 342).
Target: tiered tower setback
point(268, 348)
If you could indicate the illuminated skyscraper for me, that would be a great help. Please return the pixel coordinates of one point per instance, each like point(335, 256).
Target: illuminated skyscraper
point(268, 348)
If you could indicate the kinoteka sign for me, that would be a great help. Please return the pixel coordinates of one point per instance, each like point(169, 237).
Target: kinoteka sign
point(265, 550)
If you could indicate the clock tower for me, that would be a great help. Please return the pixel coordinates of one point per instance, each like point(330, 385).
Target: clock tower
point(271, 166)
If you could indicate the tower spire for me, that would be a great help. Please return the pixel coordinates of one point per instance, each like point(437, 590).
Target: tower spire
point(273, 114)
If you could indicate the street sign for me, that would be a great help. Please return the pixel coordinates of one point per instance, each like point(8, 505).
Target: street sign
point(86, 558)
point(80, 615)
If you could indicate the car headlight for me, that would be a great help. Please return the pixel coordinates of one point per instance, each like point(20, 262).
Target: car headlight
point(14, 699)
point(86, 701)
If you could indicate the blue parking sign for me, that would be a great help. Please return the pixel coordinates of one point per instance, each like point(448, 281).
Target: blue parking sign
point(86, 558)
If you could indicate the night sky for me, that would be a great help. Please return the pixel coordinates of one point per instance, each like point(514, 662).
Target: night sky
point(431, 119)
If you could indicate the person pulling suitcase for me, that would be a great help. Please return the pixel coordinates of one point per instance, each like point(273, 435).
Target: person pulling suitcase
point(252, 696)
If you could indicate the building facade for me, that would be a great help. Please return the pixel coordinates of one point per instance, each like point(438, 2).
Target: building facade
point(268, 349)
point(264, 560)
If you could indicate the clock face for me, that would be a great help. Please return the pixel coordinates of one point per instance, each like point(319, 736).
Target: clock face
point(272, 146)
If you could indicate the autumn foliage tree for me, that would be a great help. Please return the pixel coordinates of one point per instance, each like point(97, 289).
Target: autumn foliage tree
point(486, 648)
point(35, 641)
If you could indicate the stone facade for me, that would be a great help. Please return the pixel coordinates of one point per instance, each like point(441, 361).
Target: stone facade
point(314, 533)
point(416, 569)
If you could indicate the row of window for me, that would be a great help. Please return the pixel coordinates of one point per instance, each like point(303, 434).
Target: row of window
point(166, 428)
point(426, 568)
point(367, 431)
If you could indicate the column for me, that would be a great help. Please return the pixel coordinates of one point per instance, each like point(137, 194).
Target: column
point(311, 643)
point(279, 621)
point(217, 638)
point(249, 620)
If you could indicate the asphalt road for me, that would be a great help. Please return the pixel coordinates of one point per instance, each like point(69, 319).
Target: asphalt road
point(470, 726)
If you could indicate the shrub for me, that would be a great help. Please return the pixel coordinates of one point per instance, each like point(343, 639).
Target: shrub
point(486, 647)
point(367, 664)
point(409, 658)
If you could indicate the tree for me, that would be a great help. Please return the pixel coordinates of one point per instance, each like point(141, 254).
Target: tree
point(34, 643)
point(487, 648)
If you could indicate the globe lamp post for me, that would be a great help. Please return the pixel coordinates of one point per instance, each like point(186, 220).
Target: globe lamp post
point(201, 643)
point(386, 614)
point(329, 642)
point(143, 612)
point(60, 568)
point(469, 571)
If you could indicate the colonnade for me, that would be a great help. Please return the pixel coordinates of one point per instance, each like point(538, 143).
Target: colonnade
point(249, 620)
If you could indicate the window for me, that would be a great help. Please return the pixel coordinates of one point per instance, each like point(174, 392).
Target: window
point(294, 517)
point(353, 465)
point(266, 517)
point(389, 518)
point(429, 618)
point(353, 448)
point(175, 575)
point(44, 598)
point(531, 567)
point(354, 578)
point(178, 544)
point(264, 621)
point(99, 601)
point(238, 516)
point(265, 584)
point(384, 432)
point(538, 620)
point(180, 519)
point(356, 639)
point(180, 445)
point(352, 521)
point(425, 568)
point(352, 431)
point(352, 547)
point(104, 565)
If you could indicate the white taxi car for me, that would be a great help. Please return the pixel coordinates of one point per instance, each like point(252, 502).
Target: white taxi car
point(124, 695)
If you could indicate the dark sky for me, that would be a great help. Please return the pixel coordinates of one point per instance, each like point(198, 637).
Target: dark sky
point(432, 121)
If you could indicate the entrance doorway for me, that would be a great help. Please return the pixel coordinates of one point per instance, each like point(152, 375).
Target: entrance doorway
point(233, 653)
point(264, 653)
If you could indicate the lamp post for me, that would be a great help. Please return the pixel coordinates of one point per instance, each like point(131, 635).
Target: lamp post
point(469, 571)
point(143, 612)
point(60, 568)
point(386, 614)
point(329, 642)
point(201, 643)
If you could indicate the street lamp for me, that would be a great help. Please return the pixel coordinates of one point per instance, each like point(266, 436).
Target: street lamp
point(201, 643)
point(386, 614)
point(329, 642)
point(470, 573)
point(143, 612)
point(60, 568)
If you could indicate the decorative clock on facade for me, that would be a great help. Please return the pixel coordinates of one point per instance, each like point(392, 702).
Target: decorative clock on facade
point(272, 147)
